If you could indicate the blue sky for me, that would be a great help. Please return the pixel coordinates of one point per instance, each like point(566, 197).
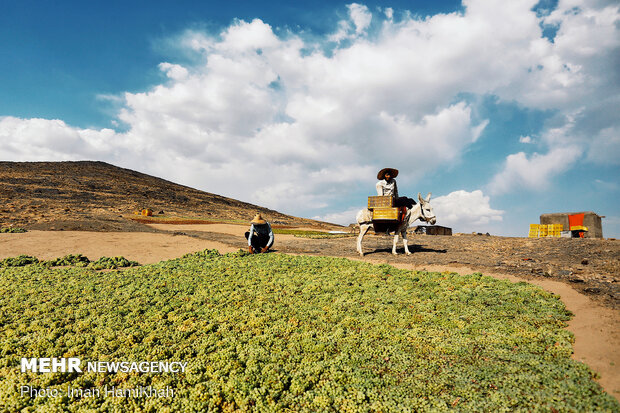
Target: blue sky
point(503, 111)
point(57, 56)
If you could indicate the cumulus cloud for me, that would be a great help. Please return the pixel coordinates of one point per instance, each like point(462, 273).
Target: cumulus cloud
point(534, 172)
point(43, 139)
point(277, 120)
point(176, 72)
point(345, 217)
point(360, 16)
point(359, 20)
point(525, 139)
point(605, 147)
point(465, 211)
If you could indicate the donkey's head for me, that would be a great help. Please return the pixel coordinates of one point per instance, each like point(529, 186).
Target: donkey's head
point(426, 210)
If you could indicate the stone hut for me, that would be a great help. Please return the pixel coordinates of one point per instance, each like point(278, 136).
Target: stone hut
point(591, 220)
point(432, 230)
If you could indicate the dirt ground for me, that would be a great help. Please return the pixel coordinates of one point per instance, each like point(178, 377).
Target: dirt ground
point(584, 273)
point(96, 196)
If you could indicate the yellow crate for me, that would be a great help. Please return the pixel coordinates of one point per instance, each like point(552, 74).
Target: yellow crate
point(554, 230)
point(380, 202)
point(543, 230)
point(551, 232)
point(385, 214)
point(533, 231)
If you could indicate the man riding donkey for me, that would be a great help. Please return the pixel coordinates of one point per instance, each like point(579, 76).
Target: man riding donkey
point(394, 214)
point(387, 187)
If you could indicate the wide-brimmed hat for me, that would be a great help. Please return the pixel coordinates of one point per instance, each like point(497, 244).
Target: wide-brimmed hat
point(258, 219)
point(392, 171)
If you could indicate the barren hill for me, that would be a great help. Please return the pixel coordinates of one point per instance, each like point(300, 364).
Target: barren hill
point(97, 196)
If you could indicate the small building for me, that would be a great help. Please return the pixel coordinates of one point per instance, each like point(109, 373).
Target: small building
point(432, 230)
point(591, 220)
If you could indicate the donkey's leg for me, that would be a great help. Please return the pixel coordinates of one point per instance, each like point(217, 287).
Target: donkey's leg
point(363, 229)
point(404, 235)
point(394, 243)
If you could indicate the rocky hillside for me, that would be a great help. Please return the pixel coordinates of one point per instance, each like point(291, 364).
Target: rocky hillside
point(97, 196)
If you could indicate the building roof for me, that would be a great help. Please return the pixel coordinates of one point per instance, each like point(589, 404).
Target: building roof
point(572, 213)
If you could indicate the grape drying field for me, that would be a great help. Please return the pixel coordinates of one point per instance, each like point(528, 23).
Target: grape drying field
point(276, 332)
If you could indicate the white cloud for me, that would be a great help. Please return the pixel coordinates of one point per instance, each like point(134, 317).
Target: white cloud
point(605, 146)
point(606, 186)
point(344, 28)
point(534, 172)
point(570, 71)
point(525, 139)
point(360, 16)
point(359, 20)
point(273, 119)
point(176, 72)
point(465, 211)
point(345, 217)
point(42, 139)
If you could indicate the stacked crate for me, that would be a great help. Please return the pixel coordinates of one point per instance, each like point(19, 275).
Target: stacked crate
point(542, 230)
point(382, 208)
point(551, 230)
point(554, 230)
point(380, 202)
point(385, 214)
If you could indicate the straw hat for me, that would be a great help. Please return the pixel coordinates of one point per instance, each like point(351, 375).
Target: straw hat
point(258, 219)
point(392, 171)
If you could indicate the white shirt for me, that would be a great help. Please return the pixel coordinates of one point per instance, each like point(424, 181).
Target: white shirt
point(385, 188)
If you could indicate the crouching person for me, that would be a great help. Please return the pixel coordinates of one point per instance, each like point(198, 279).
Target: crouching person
point(260, 235)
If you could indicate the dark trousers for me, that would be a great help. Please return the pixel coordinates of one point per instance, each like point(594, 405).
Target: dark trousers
point(259, 241)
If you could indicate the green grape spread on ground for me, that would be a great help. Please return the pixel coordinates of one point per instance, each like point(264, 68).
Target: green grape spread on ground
point(11, 230)
point(273, 332)
point(77, 260)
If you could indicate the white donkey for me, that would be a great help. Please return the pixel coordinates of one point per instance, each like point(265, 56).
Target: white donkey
point(423, 211)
